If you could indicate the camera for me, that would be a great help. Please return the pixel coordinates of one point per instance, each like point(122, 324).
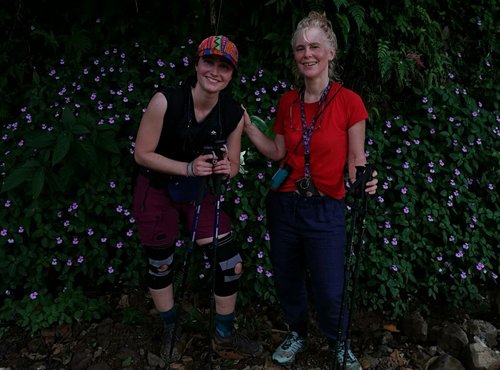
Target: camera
point(217, 149)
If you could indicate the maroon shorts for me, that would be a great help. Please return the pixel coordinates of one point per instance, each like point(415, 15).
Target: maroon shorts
point(157, 216)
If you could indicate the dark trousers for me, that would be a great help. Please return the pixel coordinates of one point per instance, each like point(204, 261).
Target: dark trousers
point(308, 237)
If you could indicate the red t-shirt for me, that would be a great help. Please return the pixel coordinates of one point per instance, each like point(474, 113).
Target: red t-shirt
point(328, 145)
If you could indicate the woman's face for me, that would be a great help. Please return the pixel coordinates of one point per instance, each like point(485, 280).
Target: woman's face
point(313, 53)
point(213, 72)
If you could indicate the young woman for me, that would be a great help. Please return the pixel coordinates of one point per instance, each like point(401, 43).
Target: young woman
point(318, 127)
point(180, 123)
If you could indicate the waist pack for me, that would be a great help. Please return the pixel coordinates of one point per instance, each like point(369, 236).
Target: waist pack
point(186, 189)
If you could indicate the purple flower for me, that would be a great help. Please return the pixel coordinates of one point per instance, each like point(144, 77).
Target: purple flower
point(463, 275)
point(80, 259)
point(110, 269)
point(119, 245)
point(406, 210)
point(260, 270)
point(250, 239)
point(459, 254)
point(479, 266)
point(54, 261)
point(404, 190)
point(268, 273)
point(394, 268)
point(33, 295)
point(430, 219)
point(439, 258)
point(90, 232)
point(69, 263)
point(243, 217)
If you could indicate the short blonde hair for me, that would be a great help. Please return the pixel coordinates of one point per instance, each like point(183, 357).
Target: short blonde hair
point(319, 20)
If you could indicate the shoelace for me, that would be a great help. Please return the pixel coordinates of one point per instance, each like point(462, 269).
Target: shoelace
point(340, 354)
point(240, 340)
point(293, 342)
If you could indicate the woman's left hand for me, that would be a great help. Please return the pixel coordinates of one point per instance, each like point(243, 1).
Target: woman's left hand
point(222, 167)
point(371, 186)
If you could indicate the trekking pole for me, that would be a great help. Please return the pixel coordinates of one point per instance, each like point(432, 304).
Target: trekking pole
point(211, 327)
point(360, 207)
point(217, 184)
point(187, 259)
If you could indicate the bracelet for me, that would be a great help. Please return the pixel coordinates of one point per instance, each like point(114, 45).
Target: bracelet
point(190, 171)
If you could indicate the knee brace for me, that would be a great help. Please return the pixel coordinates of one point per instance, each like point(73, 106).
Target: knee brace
point(159, 260)
point(227, 258)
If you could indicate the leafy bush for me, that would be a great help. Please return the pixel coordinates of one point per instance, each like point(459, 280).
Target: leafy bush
point(67, 234)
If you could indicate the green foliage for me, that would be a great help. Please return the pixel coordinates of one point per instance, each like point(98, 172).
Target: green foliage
point(70, 106)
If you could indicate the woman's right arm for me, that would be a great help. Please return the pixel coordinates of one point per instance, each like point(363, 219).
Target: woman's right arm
point(148, 136)
point(275, 149)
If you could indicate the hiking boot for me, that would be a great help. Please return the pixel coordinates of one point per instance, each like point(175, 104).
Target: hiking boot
point(166, 343)
point(235, 347)
point(288, 349)
point(351, 363)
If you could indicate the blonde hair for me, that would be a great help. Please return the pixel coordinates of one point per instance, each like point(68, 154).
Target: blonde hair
point(319, 20)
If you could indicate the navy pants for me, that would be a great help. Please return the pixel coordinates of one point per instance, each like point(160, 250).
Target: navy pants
point(308, 237)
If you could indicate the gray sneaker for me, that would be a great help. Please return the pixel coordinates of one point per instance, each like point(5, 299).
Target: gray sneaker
point(351, 362)
point(235, 347)
point(289, 348)
point(166, 343)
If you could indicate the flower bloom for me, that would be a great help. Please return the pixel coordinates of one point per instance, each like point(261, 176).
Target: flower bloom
point(34, 295)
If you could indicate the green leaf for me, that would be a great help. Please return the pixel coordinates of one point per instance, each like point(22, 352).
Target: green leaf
point(20, 175)
point(61, 148)
point(38, 181)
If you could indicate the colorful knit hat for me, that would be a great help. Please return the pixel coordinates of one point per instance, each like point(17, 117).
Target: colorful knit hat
point(219, 45)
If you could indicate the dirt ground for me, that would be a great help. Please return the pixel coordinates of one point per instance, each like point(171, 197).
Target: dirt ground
point(129, 339)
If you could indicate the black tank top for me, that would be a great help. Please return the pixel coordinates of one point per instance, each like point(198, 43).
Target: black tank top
point(182, 137)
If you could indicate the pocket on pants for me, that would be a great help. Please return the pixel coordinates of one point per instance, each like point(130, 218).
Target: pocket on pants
point(154, 227)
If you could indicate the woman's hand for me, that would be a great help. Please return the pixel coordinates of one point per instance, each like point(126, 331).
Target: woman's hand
point(247, 121)
point(371, 186)
point(203, 165)
point(222, 167)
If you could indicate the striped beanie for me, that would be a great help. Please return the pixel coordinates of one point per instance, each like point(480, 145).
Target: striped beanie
point(219, 45)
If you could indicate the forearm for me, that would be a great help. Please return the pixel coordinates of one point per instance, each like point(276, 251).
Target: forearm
point(265, 145)
point(159, 163)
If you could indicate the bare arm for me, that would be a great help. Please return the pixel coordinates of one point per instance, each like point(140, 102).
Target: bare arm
point(356, 154)
point(148, 136)
point(272, 149)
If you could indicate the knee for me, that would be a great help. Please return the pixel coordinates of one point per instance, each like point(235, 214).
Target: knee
point(228, 267)
point(238, 269)
point(159, 260)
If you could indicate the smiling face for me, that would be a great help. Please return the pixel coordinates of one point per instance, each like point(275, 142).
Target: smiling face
point(213, 73)
point(312, 53)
